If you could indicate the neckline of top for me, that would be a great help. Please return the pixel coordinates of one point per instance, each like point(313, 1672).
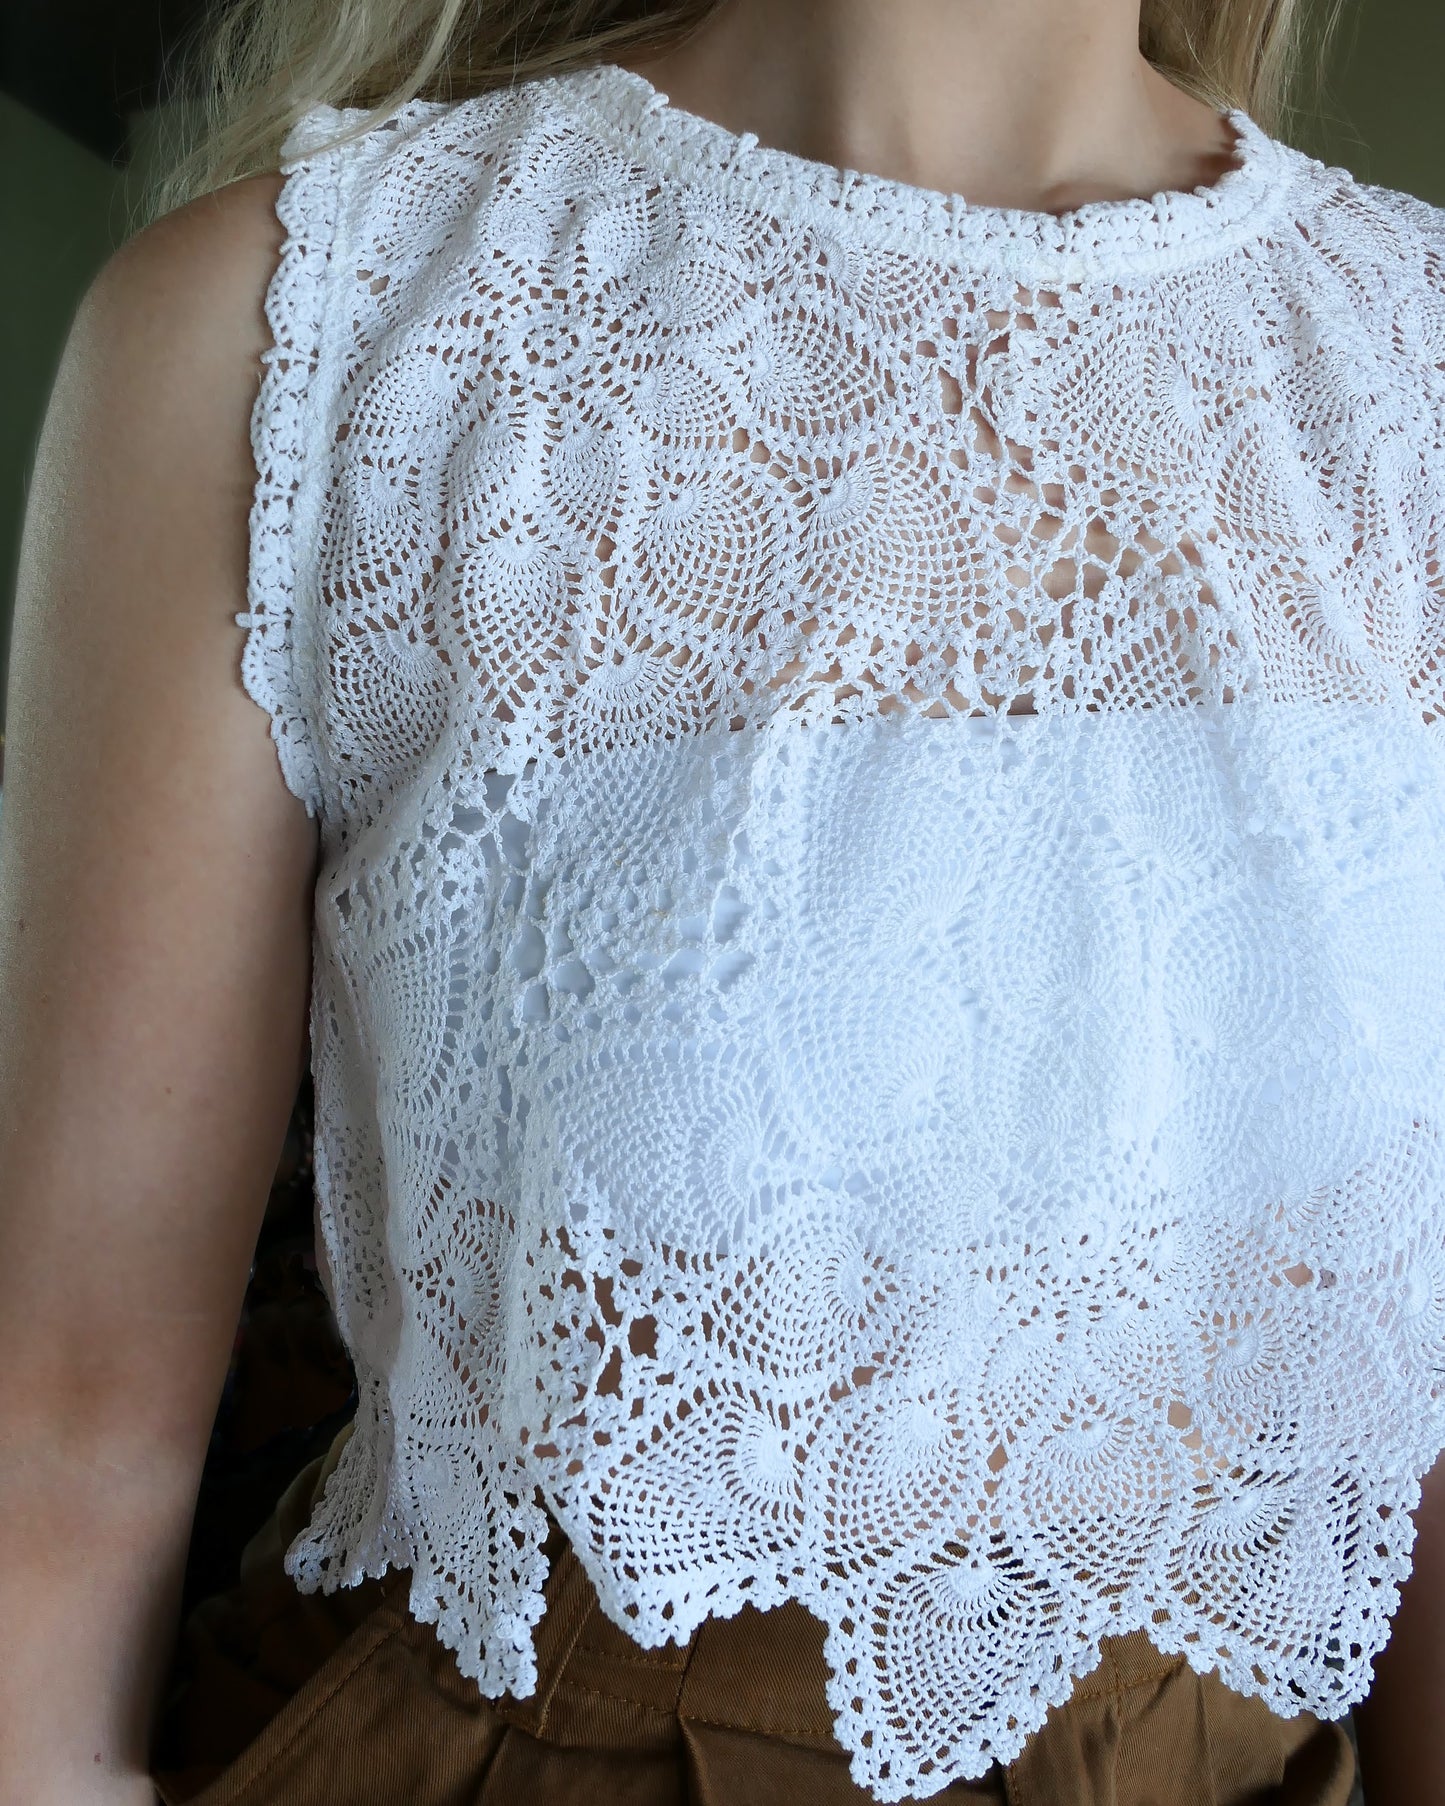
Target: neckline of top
point(1097, 240)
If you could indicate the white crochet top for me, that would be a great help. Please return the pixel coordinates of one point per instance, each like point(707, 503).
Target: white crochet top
point(879, 968)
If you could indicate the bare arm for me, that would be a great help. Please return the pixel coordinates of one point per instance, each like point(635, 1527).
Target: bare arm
point(1401, 1726)
point(155, 892)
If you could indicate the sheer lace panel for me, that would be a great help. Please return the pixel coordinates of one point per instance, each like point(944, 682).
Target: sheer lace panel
point(879, 940)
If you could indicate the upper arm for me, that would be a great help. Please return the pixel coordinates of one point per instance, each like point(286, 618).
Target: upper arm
point(155, 872)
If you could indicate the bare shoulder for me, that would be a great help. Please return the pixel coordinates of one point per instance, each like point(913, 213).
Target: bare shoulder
point(135, 546)
point(209, 255)
point(172, 326)
point(144, 467)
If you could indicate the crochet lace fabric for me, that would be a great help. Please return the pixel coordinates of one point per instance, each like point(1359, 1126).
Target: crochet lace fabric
point(880, 941)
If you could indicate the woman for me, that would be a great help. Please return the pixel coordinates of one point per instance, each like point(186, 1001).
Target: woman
point(874, 1018)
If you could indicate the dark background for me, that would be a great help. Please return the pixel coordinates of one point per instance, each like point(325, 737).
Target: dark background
point(84, 65)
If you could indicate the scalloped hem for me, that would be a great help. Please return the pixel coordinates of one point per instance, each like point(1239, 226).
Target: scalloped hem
point(496, 1650)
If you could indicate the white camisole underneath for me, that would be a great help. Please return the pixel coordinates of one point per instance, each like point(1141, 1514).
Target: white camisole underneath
point(878, 1005)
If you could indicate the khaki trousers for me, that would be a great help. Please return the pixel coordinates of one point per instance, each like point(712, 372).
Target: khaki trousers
point(345, 1700)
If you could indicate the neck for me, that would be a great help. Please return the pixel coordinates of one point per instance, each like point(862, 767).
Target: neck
point(1039, 104)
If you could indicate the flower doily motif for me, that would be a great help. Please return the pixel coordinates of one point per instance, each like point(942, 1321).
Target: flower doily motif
point(880, 945)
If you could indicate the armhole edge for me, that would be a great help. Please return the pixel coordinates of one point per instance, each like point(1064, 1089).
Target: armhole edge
point(287, 429)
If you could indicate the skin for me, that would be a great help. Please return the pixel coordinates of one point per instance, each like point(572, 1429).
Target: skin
point(1013, 103)
point(156, 875)
point(155, 879)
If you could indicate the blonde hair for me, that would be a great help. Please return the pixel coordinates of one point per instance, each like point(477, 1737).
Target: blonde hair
point(249, 70)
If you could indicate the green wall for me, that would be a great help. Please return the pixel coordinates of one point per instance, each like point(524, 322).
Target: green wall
point(62, 210)
point(1381, 115)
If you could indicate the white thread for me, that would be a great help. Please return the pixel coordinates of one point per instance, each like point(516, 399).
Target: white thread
point(978, 1173)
